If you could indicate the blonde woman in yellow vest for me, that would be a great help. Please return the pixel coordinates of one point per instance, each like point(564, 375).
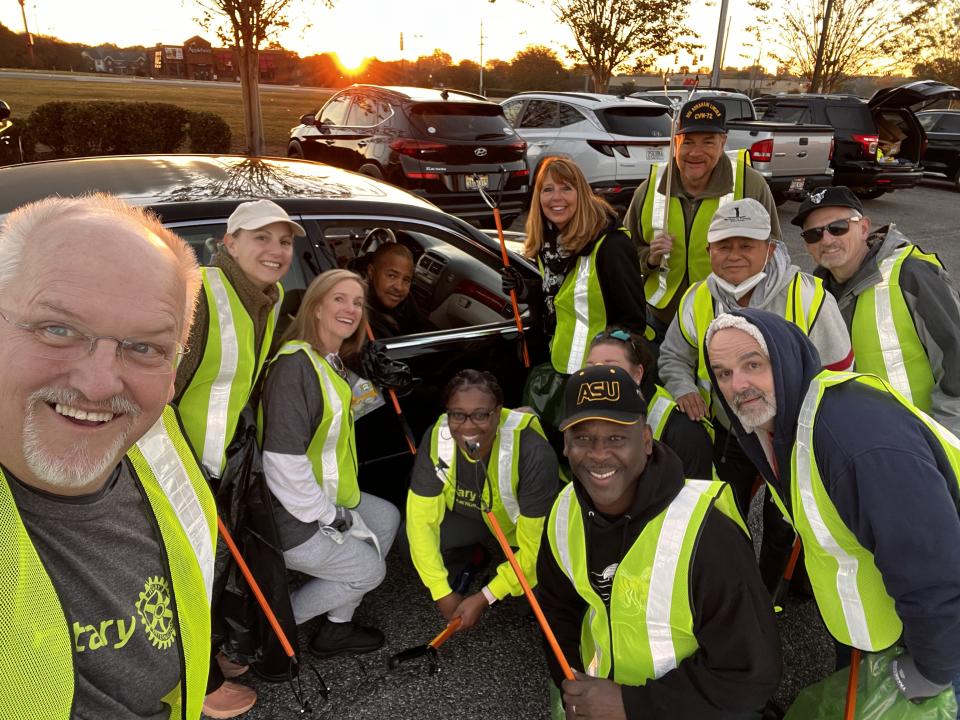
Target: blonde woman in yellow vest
point(650, 586)
point(328, 528)
point(237, 314)
point(899, 303)
point(107, 527)
point(588, 264)
point(871, 485)
point(704, 178)
point(477, 456)
point(691, 441)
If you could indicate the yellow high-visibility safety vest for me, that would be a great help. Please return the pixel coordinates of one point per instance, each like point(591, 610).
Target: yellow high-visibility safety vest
point(689, 254)
point(848, 587)
point(220, 388)
point(884, 337)
point(805, 297)
point(333, 449)
point(36, 643)
point(649, 630)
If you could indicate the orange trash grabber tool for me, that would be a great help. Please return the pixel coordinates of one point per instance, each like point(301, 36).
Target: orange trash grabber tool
point(404, 425)
point(505, 258)
point(784, 582)
point(851, 709)
point(473, 450)
point(429, 650)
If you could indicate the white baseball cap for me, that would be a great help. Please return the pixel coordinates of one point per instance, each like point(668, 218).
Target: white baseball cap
point(741, 218)
point(256, 214)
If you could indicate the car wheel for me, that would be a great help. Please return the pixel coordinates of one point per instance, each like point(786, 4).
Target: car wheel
point(371, 170)
point(295, 150)
point(779, 198)
point(869, 193)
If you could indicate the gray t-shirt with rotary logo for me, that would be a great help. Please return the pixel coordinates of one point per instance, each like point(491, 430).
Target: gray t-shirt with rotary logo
point(103, 553)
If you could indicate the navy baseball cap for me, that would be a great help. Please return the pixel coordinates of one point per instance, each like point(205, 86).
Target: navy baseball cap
point(828, 196)
point(703, 115)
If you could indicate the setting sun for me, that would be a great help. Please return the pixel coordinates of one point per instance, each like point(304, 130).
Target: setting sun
point(351, 62)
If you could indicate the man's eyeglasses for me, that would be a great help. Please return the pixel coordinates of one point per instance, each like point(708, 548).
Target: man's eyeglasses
point(55, 340)
point(455, 417)
point(837, 228)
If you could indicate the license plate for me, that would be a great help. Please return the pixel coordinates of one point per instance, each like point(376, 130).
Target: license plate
point(655, 155)
point(477, 181)
point(796, 185)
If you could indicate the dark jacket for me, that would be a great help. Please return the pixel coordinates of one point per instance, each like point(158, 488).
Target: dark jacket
point(618, 273)
point(405, 319)
point(737, 666)
point(890, 481)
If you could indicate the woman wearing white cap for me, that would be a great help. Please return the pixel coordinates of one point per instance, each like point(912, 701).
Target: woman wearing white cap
point(229, 342)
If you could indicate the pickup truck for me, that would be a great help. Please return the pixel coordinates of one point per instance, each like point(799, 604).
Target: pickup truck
point(793, 158)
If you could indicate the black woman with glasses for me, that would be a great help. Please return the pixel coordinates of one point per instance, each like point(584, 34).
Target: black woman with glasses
point(328, 528)
point(897, 301)
point(692, 441)
point(478, 455)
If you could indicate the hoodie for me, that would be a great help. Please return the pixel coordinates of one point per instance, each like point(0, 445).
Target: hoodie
point(679, 359)
point(737, 666)
point(890, 481)
point(934, 305)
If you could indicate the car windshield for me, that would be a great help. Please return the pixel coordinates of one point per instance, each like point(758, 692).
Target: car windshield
point(636, 121)
point(460, 121)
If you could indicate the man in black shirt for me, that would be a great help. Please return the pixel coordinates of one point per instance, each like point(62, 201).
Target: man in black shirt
point(390, 309)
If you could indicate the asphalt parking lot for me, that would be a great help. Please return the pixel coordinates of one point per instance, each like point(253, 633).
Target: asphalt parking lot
point(497, 670)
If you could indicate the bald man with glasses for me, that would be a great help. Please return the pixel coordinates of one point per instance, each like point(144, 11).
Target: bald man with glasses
point(898, 302)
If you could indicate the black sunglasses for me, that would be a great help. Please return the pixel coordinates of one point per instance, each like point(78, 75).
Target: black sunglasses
point(838, 228)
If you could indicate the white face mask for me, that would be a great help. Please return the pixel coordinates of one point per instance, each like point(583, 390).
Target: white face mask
point(738, 291)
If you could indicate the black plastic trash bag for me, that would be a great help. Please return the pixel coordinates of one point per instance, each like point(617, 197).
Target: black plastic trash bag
point(245, 505)
point(877, 696)
point(382, 370)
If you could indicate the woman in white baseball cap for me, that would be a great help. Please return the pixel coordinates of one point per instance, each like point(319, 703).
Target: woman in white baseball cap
point(232, 333)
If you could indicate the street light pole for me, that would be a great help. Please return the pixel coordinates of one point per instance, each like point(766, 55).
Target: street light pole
point(721, 40)
point(481, 56)
point(26, 31)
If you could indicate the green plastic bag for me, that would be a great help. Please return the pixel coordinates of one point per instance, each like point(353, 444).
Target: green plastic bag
point(877, 696)
point(543, 392)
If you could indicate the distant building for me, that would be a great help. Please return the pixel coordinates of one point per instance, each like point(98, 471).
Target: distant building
point(168, 61)
point(116, 61)
point(197, 59)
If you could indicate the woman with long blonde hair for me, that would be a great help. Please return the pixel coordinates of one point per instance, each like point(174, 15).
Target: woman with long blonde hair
point(590, 269)
point(328, 528)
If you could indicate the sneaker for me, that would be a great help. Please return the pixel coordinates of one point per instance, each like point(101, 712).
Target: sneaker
point(339, 638)
point(228, 701)
point(230, 669)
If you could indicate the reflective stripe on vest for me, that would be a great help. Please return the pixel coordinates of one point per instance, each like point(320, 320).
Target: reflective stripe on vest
point(653, 574)
point(332, 450)
point(222, 383)
point(689, 256)
point(698, 310)
point(848, 587)
point(884, 337)
point(581, 314)
point(658, 411)
point(36, 643)
point(502, 467)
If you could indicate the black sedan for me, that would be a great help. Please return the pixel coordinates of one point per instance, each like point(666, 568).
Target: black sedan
point(456, 279)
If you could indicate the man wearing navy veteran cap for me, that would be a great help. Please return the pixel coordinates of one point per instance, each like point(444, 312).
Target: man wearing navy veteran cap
point(650, 586)
point(669, 227)
point(898, 302)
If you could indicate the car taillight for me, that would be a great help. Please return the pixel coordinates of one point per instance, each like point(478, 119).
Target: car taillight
point(484, 296)
point(520, 146)
point(869, 144)
point(833, 146)
point(923, 147)
point(521, 173)
point(762, 151)
point(417, 148)
point(423, 176)
point(608, 148)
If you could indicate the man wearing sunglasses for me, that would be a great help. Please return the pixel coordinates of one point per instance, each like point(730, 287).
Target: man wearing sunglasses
point(107, 527)
point(898, 302)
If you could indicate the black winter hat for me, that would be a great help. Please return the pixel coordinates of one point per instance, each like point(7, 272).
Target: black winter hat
point(828, 196)
point(602, 392)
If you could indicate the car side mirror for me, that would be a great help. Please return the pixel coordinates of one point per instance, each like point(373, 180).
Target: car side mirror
point(4, 110)
point(308, 119)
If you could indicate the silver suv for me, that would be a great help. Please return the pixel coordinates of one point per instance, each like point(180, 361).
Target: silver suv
point(613, 139)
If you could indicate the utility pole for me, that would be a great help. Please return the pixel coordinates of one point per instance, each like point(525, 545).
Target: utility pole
point(816, 81)
point(26, 31)
point(481, 56)
point(721, 41)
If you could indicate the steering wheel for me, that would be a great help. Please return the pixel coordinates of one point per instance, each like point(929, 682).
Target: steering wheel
point(374, 238)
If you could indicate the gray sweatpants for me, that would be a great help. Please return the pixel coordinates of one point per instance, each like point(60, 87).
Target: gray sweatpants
point(343, 573)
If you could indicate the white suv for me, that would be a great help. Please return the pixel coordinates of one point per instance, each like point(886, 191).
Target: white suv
point(613, 139)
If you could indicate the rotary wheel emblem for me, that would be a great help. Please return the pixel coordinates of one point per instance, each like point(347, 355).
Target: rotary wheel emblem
point(155, 613)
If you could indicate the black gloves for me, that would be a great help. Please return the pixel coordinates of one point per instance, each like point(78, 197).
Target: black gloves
point(511, 279)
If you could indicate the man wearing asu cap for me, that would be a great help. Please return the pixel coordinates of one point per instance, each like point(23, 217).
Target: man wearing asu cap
point(898, 302)
point(650, 587)
point(749, 268)
point(673, 254)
